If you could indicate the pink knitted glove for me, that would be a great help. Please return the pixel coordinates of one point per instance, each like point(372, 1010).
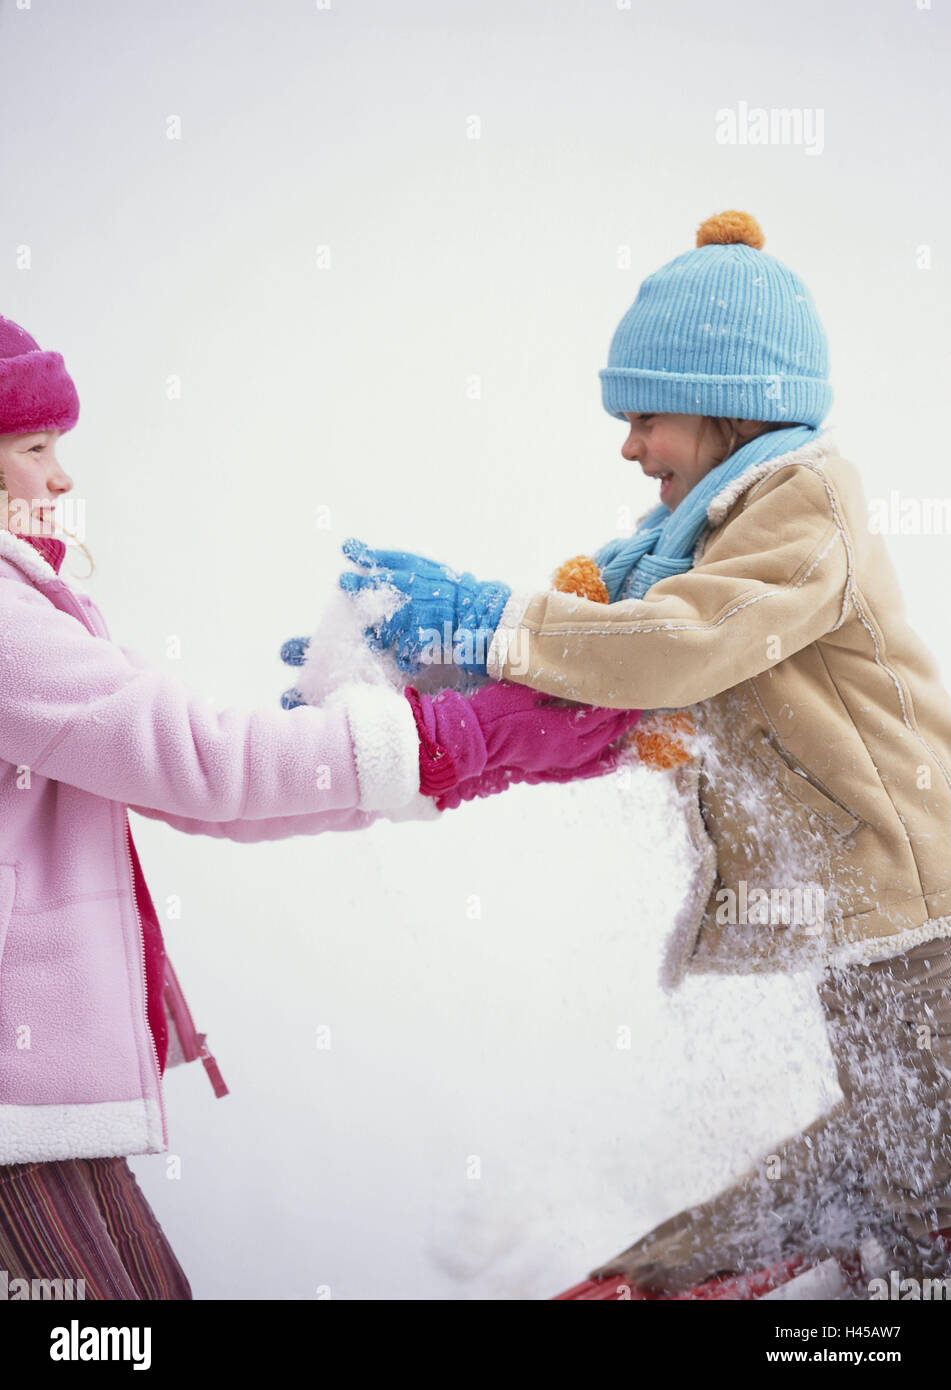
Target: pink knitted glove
point(499, 779)
point(507, 726)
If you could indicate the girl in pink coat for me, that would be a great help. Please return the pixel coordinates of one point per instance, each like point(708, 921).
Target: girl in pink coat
point(91, 1011)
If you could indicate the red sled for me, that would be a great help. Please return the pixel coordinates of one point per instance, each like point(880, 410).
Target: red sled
point(794, 1278)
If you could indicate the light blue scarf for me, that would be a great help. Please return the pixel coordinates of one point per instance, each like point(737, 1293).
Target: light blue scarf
point(664, 541)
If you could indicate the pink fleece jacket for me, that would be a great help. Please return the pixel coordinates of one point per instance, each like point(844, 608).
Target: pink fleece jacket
point(53, 551)
point(89, 730)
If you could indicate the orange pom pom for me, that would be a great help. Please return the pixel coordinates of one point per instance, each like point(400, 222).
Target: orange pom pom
point(581, 576)
point(725, 228)
point(655, 739)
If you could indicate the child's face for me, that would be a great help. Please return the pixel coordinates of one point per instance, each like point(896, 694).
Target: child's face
point(33, 479)
point(678, 446)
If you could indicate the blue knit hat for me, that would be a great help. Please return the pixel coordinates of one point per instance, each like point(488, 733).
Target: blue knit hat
point(722, 330)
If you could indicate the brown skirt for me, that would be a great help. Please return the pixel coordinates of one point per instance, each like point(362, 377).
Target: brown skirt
point(877, 1165)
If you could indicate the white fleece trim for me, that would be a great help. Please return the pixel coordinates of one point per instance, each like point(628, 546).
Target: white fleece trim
point(887, 947)
point(105, 1129)
point(385, 744)
point(15, 549)
point(814, 452)
point(21, 553)
point(509, 623)
point(864, 952)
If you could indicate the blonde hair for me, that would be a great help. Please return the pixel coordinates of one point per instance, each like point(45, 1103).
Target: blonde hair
point(61, 533)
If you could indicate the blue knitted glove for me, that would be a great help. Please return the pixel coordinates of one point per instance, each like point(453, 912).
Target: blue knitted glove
point(293, 652)
point(438, 601)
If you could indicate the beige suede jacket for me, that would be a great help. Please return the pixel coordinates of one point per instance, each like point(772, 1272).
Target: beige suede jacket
point(817, 801)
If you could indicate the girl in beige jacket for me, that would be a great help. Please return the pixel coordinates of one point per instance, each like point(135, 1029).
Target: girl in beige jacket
point(758, 613)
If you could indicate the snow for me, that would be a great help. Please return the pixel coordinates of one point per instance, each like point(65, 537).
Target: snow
point(338, 655)
point(516, 1215)
point(512, 1207)
point(511, 1098)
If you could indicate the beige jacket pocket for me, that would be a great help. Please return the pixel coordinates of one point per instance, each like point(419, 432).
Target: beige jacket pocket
point(802, 787)
point(702, 852)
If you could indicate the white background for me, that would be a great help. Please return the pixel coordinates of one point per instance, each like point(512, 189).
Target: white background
point(348, 388)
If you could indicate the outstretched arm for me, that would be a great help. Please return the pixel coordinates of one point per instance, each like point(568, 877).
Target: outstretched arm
point(285, 827)
point(769, 583)
point(74, 708)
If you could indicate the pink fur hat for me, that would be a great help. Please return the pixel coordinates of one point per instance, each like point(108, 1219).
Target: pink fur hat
point(36, 391)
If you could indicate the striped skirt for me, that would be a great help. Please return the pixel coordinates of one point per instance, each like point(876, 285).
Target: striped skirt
point(82, 1219)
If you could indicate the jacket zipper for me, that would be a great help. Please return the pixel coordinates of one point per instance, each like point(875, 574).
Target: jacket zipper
point(188, 1036)
point(91, 619)
point(211, 1067)
point(145, 982)
point(85, 617)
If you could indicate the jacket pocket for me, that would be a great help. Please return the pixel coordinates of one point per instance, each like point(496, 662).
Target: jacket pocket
point(8, 888)
point(703, 877)
point(802, 787)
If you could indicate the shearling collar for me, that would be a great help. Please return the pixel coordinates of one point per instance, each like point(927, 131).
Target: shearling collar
point(27, 558)
point(813, 452)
